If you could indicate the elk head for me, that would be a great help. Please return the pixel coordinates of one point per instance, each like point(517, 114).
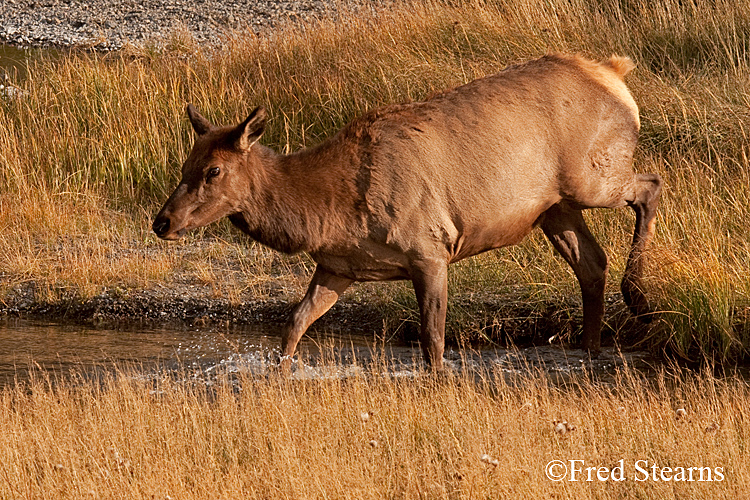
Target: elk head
point(215, 176)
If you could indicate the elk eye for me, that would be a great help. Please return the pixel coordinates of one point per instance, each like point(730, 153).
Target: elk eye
point(213, 172)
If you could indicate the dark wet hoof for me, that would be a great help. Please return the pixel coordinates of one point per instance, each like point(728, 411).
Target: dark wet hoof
point(642, 311)
point(637, 302)
point(646, 317)
point(591, 344)
point(440, 370)
point(593, 352)
point(285, 366)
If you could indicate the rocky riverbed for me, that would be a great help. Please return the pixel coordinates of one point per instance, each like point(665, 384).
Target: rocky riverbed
point(111, 24)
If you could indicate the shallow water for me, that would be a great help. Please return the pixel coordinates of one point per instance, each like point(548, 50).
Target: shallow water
point(14, 68)
point(61, 349)
point(13, 61)
point(14, 64)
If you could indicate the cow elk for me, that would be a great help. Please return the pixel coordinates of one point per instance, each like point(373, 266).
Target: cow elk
point(405, 190)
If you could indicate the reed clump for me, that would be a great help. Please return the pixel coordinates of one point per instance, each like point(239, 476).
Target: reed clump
point(96, 142)
point(478, 433)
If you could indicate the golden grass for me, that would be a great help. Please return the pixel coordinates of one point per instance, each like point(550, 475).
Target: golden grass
point(468, 434)
point(87, 156)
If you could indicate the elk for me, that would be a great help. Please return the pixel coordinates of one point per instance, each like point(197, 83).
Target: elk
point(405, 190)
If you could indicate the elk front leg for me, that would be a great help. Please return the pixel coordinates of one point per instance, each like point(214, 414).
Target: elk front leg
point(567, 230)
point(323, 291)
point(430, 280)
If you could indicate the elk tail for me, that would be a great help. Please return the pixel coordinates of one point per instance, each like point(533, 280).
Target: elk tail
point(620, 65)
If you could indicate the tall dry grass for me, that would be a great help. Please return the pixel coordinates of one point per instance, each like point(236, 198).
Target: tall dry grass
point(470, 434)
point(96, 144)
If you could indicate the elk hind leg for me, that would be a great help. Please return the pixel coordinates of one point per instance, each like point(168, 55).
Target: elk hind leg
point(645, 202)
point(568, 233)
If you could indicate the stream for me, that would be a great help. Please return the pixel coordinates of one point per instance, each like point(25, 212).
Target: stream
point(59, 349)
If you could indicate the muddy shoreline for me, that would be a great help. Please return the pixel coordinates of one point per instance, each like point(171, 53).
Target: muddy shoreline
point(489, 319)
point(176, 307)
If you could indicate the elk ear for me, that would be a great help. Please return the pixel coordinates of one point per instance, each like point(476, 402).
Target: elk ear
point(200, 124)
point(249, 131)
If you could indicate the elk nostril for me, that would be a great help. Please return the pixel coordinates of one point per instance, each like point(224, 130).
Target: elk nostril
point(161, 226)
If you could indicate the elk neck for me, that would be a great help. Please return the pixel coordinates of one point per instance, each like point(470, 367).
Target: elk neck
point(302, 202)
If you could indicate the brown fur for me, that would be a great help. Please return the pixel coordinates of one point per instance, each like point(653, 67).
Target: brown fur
point(405, 190)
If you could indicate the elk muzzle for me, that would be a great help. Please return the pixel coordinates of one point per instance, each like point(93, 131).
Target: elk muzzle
point(161, 226)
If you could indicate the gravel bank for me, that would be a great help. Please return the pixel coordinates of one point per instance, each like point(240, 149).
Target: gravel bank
point(110, 24)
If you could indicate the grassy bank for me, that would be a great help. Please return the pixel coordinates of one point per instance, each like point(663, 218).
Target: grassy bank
point(95, 145)
point(483, 434)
